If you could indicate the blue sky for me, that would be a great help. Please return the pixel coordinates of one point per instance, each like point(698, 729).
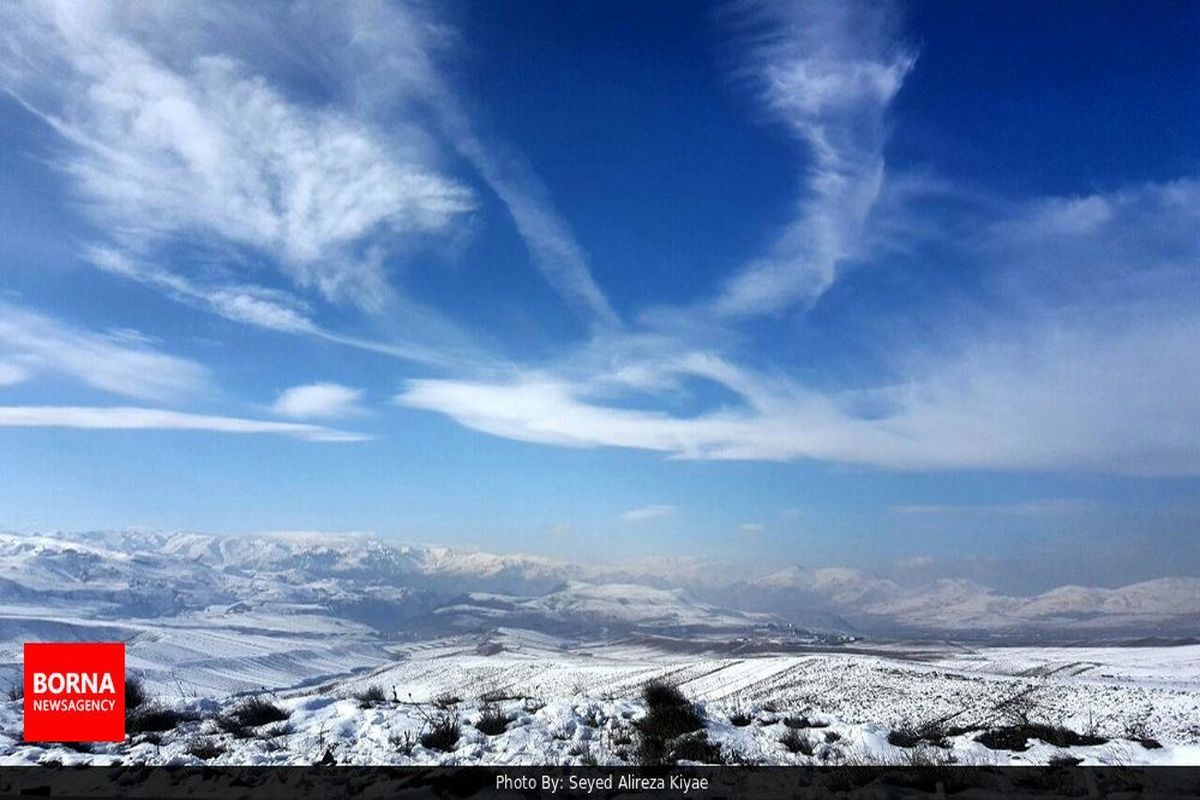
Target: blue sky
point(815, 282)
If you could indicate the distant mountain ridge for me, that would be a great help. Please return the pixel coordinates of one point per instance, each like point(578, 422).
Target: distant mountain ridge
point(404, 588)
point(954, 605)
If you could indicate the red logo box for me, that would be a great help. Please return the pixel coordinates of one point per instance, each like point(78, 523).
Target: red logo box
point(74, 692)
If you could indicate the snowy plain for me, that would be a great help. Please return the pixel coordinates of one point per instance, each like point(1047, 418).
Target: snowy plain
point(364, 648)
point(569, 704)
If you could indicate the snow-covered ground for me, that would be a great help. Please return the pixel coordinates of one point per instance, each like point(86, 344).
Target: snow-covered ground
point(570, 702)
point(206, 653)
point(311, 621)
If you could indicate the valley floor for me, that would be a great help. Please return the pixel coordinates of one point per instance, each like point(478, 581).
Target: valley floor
point(557, 702)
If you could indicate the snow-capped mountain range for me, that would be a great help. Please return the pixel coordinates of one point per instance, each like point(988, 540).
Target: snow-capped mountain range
point(416, 590)
point(1168, 606)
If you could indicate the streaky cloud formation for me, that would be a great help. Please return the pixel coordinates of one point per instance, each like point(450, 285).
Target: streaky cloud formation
point(648, 513)
point(1096, 296)
point(401, 38)
point(34, 343)
point(829, 71)
point(282, 312)
point(801, 257)
point(208, 148)
point(1028, 508)
point(551, 244)
point(156, 419)
point(12, 374)
point(1036, 399)
point(251, 305)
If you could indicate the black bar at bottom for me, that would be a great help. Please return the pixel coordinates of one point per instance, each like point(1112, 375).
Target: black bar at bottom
point(594, 783)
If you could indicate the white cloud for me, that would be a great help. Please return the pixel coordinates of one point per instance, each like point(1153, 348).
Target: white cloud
point(279, 311)
point(1072, 215)
point(111, 362)
point(181, 124)
point(830, 71)
point(751, 527)
point(206, 147)
point(133, 418)
point(1027, 508)
point(179, 132)
point(1037, 398)
point(377, 30)
point(250, 305)
point(1092, 362)
point(12, 374)
point(555, 252)
point(1136, 242)
point(318, 400)
point(648, 513)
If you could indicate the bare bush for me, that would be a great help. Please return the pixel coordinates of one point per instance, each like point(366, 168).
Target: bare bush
point(442, 733)
point(908, 734)
point(492, 720)
point(373, 695)
point(797, 742)
point(670, 715)
point(135, 692)
point(204, 748)
point(403, 742)
point(1016, 737)
point(593, 717)
point(694, 747)
point(251, 713)
point(445, 700)
point(801, 721)
point(740, 719)
point(156, 718)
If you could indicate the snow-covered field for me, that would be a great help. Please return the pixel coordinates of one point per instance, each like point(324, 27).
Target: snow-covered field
point(558, 655)
point(572, 703)
point(206, 653)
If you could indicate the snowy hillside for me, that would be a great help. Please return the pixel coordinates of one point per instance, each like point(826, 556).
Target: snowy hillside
point(238, 613)
point(519, 697)
point(366, 647)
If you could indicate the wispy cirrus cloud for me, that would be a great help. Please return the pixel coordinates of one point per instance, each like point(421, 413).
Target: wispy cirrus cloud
point(184, 124)
point(829, 71)
point(1027, 508)
point(283, 312)
point(1080, 299)
point(36, 343)
point(127, 418)
point(166, 146)
point(556, 253)
point(648, 513)
point(198, 137)
point(552, 246)
point(1037, 398)
point(251, 305)
point(12, 374)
